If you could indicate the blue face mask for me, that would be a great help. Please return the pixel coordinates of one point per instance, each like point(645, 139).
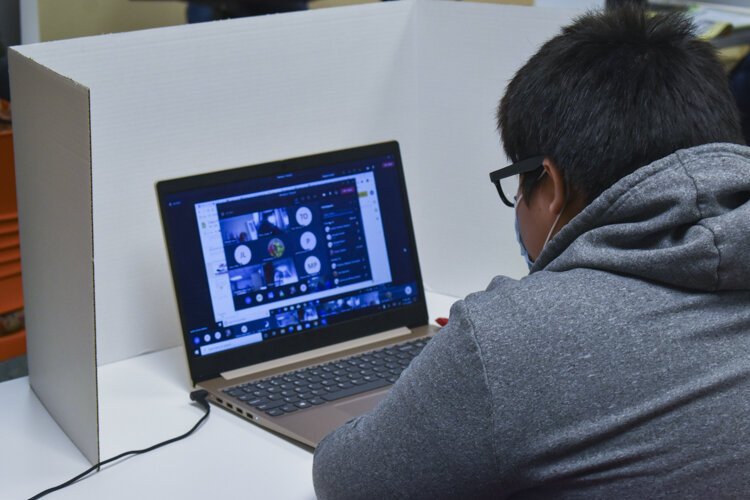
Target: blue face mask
point(524, 252)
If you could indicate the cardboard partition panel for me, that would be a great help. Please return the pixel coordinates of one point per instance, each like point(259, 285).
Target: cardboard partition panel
point(466, 55)
point(101, 119)
point(53, 178)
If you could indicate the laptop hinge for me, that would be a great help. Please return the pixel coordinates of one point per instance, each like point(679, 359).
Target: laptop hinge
point(316, 353)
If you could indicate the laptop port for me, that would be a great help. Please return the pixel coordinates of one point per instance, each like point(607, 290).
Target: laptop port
point(229, 405)
point(219, 400)
point(239, 411)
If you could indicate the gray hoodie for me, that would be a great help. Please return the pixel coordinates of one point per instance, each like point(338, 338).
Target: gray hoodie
point(619, 368)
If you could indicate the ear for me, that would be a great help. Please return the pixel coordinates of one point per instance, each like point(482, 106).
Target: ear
point(555, 175)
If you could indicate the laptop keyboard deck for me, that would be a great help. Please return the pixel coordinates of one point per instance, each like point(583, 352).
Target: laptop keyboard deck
point(319, 384)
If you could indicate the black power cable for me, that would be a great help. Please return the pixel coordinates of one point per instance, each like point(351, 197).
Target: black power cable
point(199, 396)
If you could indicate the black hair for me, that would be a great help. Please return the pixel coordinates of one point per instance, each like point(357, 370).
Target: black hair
point(615, 91)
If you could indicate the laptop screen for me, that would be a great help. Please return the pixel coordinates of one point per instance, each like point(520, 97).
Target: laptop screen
point(275, 259)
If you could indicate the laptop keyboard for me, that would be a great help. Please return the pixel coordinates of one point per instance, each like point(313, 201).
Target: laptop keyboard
point(320, 384)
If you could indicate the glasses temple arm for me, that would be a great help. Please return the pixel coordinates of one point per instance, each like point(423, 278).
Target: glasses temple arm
point(502, 195)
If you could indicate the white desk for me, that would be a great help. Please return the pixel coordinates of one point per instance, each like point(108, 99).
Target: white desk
point(227, 458)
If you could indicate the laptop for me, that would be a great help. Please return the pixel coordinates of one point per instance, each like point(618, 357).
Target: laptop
point(298, 285)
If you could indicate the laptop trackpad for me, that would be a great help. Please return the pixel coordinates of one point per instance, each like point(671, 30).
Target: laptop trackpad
point(360, 406)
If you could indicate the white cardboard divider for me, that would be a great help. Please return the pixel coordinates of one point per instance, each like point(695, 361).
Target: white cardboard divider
point(466, 55)
point(53, 177)
point(99, 120)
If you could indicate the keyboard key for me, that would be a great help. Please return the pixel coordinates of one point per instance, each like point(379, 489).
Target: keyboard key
point(302, 404)
point(275, 412)
point(317, 401)
point(270, 405)
point(289, 408)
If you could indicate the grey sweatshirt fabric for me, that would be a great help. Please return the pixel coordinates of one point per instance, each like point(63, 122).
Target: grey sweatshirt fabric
point(619, 368)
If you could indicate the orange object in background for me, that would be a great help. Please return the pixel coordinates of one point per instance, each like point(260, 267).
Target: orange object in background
point(8, 201)
point(11, 291)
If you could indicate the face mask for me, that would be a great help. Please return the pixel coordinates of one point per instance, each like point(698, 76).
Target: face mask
point(524, 252)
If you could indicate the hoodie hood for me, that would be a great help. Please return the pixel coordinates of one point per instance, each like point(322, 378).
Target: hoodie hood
point(683, 221)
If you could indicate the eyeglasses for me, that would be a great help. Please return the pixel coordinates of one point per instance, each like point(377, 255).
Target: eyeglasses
point(522, 167)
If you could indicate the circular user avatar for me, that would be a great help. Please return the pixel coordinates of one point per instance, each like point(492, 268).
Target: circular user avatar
point(312, 265)
point(304, 216)
point(276, 248)
point(242, 255)
point(308, 240)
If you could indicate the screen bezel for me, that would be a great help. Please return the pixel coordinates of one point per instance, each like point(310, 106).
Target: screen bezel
point(412, 315)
